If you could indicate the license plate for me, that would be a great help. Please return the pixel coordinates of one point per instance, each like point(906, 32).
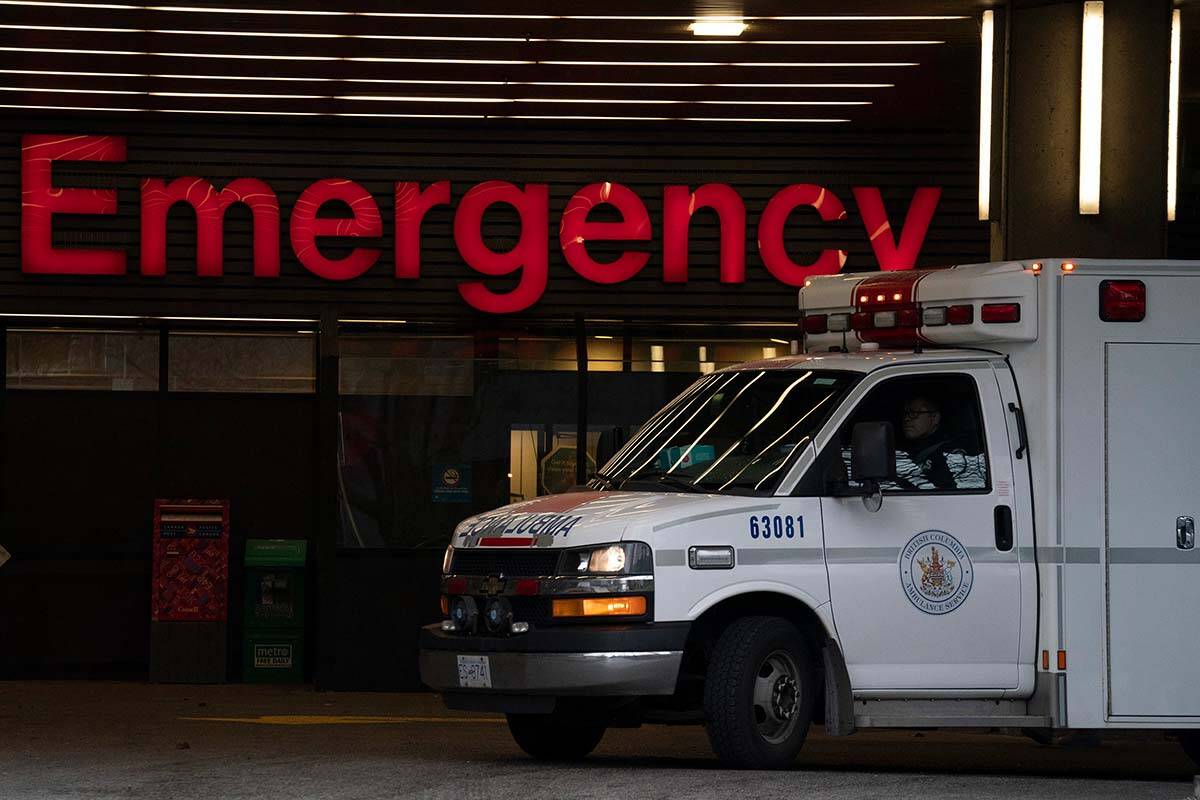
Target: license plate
point(474, 672)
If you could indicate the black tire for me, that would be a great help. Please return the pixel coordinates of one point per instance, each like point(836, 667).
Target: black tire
point(759, 693)
point(554, 737)
point(1190, 742)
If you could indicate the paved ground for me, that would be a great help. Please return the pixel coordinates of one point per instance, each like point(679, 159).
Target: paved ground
point(124, 740)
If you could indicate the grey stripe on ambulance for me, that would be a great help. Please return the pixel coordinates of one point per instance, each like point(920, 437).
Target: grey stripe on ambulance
point(1152, 555)
point(713, 514)
point(779, 555)
point(861, 555)
point(669, 558)
point(981, 555)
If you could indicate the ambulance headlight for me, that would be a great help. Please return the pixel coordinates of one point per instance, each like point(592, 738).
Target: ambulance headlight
point(447, 559)
point(626, 558)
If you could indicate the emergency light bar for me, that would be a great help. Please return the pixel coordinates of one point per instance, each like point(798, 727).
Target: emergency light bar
point(966, 305)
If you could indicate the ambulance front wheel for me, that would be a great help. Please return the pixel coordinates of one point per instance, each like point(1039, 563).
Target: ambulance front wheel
point(759, 693)
point(555, 737)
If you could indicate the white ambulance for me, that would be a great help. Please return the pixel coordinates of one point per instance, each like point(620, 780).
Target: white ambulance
point(969, 503)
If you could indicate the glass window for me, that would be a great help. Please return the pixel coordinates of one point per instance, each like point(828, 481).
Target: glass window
point(431, 444)
point(82, 359)
point(407, 366)
point(733, 431)
point(939, 434)
point(242, 362)
point(537, 353)
point(702, 356)
point(542, 459)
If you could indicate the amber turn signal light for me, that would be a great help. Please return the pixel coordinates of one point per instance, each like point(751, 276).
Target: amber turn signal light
point(599, 607)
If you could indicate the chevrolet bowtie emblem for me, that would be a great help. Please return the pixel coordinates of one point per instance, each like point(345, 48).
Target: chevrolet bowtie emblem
point(492, 584)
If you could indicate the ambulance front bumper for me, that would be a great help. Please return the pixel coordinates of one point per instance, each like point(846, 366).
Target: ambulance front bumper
point(612, 660)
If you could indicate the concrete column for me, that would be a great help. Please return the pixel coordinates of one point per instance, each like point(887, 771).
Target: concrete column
point(1040, 212)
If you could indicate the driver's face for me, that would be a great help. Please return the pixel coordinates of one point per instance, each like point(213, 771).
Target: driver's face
point(920, 419)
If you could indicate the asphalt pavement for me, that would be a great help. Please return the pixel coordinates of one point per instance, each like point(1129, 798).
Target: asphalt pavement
point(130, 740)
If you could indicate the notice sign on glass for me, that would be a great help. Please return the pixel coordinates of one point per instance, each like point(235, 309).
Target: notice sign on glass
point(451, 483)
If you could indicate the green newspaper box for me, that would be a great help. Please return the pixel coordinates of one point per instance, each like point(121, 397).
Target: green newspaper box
point(273, 618)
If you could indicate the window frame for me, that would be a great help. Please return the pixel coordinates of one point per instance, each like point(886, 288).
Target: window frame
point(811, 483)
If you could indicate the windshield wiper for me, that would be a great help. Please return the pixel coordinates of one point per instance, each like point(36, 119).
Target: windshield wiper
point(677, 481)
point(608, 482)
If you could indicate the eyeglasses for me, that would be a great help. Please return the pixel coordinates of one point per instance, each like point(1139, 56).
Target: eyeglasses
point(915, 414)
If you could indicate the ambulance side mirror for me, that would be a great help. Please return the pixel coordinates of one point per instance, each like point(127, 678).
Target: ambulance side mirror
point(872, 459)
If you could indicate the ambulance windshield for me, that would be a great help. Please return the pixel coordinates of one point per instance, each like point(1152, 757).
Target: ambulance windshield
point(729, 432)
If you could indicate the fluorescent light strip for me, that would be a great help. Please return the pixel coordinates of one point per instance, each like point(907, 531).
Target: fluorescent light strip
point(110, 6)
point(585, 117)
point(74, 316)
point(243, 57)
point(443, 60)
point(511, 39)
point(69, 28)
point(425, 82)
point(428, 116)
point(66, 91)
point(986, 56)
point(68, 108)
point(230, 111)
point(803, 42)
point(591, 100)
point(823, 64)
point(275, 11)
point(239, 78)
point(867, 17)
point(789, 18)
point(71, 51)
point(418, 99)
point(234, 319)
point(255, 33)
point(442, 82)
point(441, 15)
point(758, 119)
point(731, 63)
point(409, 116)
point(1091, 84)
point(803, 85)
point(60, 73)
point(240, 95)
point(431, 15)
point(782, 102)
point(1173, 118)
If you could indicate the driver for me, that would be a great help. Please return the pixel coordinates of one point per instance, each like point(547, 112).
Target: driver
point(921, 454)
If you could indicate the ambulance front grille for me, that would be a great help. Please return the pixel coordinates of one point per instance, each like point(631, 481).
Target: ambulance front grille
point(523, 564)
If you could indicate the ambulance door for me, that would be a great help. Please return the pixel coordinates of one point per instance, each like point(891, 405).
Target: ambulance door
point(926, 590)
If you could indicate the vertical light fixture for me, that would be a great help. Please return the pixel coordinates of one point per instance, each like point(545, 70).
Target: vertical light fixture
point(1173, 119)
point(1091, 82)
point(656, 358)
point(987, 44)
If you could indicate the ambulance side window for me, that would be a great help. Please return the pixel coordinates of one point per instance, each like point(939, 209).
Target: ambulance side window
point(939, 436)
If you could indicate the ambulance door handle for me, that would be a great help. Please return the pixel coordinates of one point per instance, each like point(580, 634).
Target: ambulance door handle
point(1185, 533)
point(1019, 413)
point(1004, 531)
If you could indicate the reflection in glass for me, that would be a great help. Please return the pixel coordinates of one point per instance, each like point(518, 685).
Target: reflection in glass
point(730, 431)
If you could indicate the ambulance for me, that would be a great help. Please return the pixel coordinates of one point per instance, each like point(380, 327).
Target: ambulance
point(967, 501)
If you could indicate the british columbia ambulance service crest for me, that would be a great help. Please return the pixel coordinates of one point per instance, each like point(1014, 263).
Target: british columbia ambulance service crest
point(935, 572)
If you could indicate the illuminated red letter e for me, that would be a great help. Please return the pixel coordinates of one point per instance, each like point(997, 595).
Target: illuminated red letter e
point(40, 201)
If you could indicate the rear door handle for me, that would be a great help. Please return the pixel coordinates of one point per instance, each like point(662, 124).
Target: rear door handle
point(1185, 533)
point(1004, 530)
